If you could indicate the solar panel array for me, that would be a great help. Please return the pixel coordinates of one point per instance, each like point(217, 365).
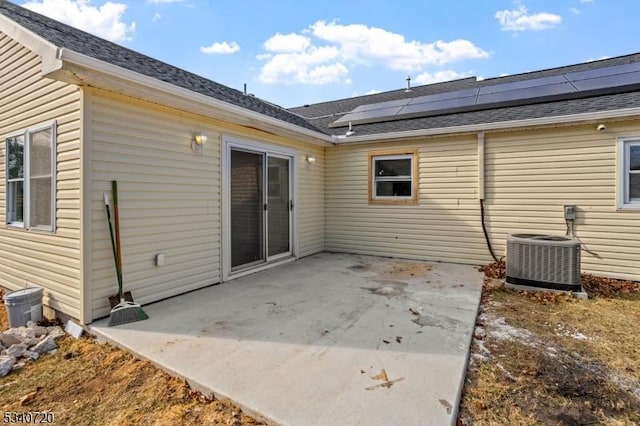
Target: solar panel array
point(599, 81)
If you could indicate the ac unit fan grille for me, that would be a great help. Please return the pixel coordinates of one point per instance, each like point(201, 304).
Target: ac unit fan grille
point(543, 261)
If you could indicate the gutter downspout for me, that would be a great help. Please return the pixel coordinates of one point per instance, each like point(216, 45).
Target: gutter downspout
point(481, 186)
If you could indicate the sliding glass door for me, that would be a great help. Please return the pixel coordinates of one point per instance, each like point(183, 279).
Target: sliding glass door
point(261, 204)
point(247, 221)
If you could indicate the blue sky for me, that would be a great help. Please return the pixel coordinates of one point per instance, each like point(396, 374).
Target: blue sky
point(297, 52)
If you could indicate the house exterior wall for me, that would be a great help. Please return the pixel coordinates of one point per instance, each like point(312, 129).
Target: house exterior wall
point(444, 224)
point(529, 176)
point(46, 259)
point(169, 196)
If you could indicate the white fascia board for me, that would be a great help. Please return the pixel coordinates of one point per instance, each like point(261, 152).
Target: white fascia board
point(75, 58)
point(47, 51)
point(569, 119)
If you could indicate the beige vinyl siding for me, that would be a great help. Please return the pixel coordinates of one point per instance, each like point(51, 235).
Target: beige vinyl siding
point(170, 197)
point(310, 205)
point(169, 200)
point(444, 225)
point(49, 260)
point(531, 175)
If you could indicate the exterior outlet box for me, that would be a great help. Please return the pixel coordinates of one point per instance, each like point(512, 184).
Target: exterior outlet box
point(160, 259)
point(569, 212)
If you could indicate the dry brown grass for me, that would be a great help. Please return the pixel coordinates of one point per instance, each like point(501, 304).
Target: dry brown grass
point(85, 382)
point(575, 361)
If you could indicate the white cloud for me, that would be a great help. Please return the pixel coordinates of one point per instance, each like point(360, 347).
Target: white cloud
point(317, 65)
point(156, 17)
point(521, 20)
point(104, 21)
point(323, 52)
point(372, 92)
point(439, 76)
point(586, 1)
point(360, 43)
point(288, 43)
point(575, 10)
point(221, 48)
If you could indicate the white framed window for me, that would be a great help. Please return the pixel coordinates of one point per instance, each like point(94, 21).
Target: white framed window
point(393, 177)
point(30, 177)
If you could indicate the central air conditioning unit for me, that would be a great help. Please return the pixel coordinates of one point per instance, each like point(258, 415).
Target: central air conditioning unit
point(544, 261)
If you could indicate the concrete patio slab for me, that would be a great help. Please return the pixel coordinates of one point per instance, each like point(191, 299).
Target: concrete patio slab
point(326, 340)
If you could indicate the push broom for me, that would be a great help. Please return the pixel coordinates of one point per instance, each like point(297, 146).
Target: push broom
point(125, 311)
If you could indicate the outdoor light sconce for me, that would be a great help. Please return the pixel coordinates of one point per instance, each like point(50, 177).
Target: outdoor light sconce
point(197, 144)
point(310, 159)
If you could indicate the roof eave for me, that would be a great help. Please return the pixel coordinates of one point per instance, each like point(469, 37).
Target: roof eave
point(68, 56)
point(47, 51)
point(558, 120)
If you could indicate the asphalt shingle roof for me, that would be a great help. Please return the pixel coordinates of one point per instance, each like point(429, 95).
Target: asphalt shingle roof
point(62, 35)
point(325, 113)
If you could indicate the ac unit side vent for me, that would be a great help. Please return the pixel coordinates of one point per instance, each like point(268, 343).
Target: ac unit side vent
point(546, 261)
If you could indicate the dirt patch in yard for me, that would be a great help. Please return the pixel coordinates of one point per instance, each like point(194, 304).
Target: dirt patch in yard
point(550, 358)
point(85, 382)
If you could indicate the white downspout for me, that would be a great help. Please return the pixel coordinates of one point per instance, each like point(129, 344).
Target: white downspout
point(481, 186)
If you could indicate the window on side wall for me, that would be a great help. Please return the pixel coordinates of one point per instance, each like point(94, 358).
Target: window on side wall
point(393, 177)
point(30, 177)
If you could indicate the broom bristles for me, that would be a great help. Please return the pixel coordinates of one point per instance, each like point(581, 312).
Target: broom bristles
point(126, 312)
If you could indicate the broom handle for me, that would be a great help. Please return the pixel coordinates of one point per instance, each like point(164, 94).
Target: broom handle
point(116, 216)
point(113, 243)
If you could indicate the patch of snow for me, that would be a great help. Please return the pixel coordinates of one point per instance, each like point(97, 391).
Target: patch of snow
point(504, 370)
point(475, 358)
point(499, 329)
point(562, 331)
point(479, 357)
point(481, 347)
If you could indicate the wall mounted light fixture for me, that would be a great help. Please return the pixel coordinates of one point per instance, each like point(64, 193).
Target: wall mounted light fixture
point(197, 144)
point(310, 159)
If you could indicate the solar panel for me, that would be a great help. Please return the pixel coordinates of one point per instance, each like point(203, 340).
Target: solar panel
point(442, 105)
point(362, 117)
point(595, 82)
point(442, 96)
point(603, 72)
point(525, 93)
point(382, 105)
point(525, 84)
point(607, 82)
